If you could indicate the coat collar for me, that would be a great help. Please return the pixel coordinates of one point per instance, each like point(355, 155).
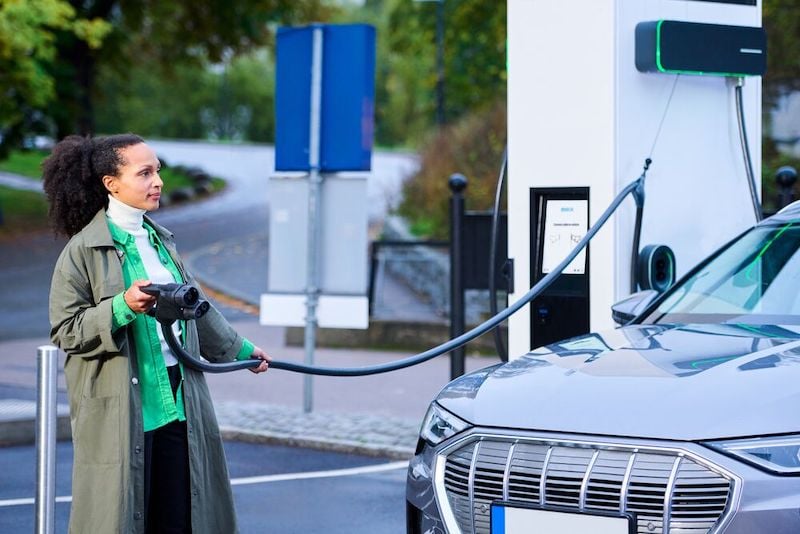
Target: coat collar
point(97, 234)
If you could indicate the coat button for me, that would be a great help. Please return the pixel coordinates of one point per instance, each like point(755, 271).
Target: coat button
point(137, 449)
point(135, 381)
point(137, 515)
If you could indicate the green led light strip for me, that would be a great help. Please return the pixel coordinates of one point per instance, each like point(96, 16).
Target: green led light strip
point(692, 72)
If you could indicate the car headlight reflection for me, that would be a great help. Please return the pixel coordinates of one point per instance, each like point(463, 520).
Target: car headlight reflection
point(439, 424)
point(778, 454)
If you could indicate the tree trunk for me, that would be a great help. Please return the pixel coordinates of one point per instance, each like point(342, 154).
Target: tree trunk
point(73, 110)
point(85, 77)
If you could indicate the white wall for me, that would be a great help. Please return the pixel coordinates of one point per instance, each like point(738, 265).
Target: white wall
point(580, 114)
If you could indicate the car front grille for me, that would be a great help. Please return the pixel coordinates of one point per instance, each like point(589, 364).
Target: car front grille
point(659, 487)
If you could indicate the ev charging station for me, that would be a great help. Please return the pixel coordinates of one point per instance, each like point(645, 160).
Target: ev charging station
point(582, 120)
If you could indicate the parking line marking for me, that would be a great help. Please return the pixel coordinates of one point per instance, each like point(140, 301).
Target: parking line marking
point(321, 474)
point(351, 471)
point(30, 501)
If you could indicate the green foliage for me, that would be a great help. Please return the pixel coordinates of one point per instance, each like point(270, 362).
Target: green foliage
point(474, 147)
point(245, 99)
point(781, 20)
point(28, 49)
point(232, 101)
point(51, 52)
point(405, 92)
point(153, 104)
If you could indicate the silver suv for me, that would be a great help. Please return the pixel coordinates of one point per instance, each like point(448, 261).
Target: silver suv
point(685, 420)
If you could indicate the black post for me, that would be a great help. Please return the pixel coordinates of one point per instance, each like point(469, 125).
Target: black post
point(458, 182)
point(373, 267)
point(785, 177)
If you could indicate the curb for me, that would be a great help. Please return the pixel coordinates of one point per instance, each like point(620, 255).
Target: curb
point(23, 431)
point(317, 443)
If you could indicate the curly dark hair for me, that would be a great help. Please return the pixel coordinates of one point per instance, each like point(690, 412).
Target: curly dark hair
point(73, 178)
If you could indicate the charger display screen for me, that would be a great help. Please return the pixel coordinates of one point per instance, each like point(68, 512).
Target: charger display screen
point(565, 224)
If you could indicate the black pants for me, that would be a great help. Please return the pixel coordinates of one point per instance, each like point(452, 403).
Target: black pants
point(166, 475)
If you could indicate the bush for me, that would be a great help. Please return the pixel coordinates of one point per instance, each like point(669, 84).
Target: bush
point(473, 147)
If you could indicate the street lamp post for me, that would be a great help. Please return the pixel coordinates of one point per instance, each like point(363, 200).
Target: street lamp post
point(440, 116)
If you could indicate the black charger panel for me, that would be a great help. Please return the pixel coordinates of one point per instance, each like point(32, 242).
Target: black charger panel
point(677, 47)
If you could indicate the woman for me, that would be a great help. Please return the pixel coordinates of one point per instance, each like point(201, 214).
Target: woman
point(147, 452)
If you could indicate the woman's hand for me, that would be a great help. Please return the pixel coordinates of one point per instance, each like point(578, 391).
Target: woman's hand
point(259, 354)
point(136, 299)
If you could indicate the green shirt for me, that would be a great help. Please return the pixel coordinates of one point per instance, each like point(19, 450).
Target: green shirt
point(159, 407)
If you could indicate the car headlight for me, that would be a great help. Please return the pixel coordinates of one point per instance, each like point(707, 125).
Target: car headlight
point(778, 454)
point(439, 424)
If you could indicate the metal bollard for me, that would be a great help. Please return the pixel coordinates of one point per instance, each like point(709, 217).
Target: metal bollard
point(47, 359)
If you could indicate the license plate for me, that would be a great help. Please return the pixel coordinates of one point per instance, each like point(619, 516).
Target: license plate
point(513, 520)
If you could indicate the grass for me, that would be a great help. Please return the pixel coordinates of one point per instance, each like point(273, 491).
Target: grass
point(24, 211)
point(25, 162)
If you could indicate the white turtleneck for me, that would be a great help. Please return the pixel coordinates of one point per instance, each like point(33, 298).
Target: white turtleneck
point(131, 220)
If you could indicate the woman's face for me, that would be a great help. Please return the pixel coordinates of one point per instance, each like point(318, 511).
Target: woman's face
point(137, 183)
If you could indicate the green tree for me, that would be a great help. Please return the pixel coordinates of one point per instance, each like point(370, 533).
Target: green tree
point(195, 100)
point(474, 61)
point(781, 20)
point(165, 34)
point(28, 31)
point(169, 105)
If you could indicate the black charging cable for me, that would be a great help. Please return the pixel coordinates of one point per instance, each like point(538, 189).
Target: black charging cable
point(182, 302)
point(638, 196)
point(498, 337)
point(748, 161)
point(166, 318)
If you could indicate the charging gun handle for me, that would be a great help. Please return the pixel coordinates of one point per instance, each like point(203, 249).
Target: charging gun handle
point(152, 289)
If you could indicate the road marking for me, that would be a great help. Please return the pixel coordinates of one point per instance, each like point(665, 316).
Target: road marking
point(392, 466)
point(24, 502)
point(321, 474)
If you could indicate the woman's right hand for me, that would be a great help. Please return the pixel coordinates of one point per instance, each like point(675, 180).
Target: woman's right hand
point(136, 299)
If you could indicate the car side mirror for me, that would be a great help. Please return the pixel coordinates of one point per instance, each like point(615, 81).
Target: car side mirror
point(631, 306)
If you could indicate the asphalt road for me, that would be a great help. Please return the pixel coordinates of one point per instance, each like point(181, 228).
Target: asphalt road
point(276, 489)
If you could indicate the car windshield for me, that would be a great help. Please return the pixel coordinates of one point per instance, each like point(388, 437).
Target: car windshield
point(755, 280)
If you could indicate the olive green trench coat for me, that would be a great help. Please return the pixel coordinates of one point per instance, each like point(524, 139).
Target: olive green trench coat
point(105, 404)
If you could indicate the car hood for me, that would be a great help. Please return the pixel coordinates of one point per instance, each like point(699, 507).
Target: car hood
point(684, 382)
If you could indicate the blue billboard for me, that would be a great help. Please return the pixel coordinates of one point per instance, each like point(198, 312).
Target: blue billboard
point(348, 97)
